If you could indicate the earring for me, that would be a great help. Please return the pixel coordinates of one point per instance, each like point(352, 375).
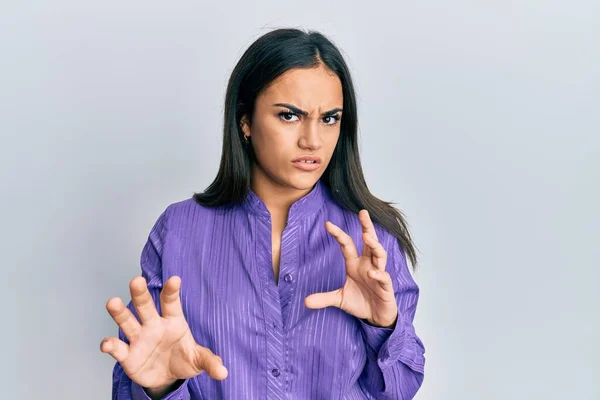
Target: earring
point(246, 141)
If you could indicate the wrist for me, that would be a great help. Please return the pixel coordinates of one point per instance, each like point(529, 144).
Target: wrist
point(383, 324)
point(161, 391)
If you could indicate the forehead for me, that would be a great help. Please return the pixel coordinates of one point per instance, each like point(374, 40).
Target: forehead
point(306, 87)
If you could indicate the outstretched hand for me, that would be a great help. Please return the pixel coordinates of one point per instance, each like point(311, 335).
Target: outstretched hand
point(161, 348)
point(368, 292)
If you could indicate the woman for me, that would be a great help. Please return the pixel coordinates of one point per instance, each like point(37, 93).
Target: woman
point(210, 317)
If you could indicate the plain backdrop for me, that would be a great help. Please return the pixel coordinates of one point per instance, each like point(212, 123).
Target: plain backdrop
point(479, 119)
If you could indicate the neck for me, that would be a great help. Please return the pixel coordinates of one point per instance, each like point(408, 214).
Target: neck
point(278, 198)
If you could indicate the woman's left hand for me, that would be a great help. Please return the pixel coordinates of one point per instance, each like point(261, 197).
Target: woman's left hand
point(368, 293)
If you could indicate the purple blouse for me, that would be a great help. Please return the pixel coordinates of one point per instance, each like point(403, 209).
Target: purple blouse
point(273, 346)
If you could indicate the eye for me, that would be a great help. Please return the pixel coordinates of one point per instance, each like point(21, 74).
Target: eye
point(334, 118)
point(285, 114)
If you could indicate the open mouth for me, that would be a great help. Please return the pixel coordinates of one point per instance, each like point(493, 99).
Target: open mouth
point(307, 163)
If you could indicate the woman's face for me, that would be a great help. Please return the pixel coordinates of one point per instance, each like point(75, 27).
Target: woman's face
point(280, 134)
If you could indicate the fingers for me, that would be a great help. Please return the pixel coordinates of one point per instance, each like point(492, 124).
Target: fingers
point(367, 227)
point(124, 318)
point(383, 278)
point(144, 304)
point(345, 241)
point(211, 363)
point(366, 223)
point(377, 250)
point(170, 301)
point(325, 299)
point(118, 349)
point(142, 300)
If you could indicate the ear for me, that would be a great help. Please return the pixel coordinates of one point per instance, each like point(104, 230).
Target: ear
point(245, 125)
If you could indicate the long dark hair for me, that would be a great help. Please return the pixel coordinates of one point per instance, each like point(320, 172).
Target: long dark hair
point(267, 58)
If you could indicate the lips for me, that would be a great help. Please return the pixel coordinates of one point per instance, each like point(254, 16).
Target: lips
point(308, 160)
point(307, 163)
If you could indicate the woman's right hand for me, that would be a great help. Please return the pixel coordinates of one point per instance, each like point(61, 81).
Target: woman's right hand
point(161, 349)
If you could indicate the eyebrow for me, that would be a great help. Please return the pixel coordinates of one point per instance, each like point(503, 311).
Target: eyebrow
point(305, 113)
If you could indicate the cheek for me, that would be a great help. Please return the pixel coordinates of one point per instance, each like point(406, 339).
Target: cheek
point(335, 139)
point(331, 142)
point(273, 147)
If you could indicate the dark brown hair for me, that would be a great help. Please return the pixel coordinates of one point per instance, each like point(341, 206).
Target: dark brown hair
point(267, 58)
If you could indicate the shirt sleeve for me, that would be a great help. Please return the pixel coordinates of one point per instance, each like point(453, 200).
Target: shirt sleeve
point(395, 356)
point(123, 388)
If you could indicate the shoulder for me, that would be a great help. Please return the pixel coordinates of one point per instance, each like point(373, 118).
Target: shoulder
point(179, 218)
point(183, 210)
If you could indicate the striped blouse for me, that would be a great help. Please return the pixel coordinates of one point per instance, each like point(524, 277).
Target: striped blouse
point(273, 346)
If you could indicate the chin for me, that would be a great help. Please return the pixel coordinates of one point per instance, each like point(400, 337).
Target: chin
point(303, 181)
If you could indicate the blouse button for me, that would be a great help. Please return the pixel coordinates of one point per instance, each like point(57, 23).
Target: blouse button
point(288, 278)
point(275, 372)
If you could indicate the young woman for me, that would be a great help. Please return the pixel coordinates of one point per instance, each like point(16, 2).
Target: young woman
point(286, 278)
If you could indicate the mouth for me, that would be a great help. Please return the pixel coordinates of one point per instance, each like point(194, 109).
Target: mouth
point(307, 163)
point(308, 159)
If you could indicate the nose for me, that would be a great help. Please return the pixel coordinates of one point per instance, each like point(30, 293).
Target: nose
point(310, 138)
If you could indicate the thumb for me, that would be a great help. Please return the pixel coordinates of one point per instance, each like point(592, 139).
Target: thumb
point(211, 363)
point(324, 299)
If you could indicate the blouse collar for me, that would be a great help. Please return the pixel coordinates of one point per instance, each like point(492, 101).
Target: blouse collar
point(304, 206)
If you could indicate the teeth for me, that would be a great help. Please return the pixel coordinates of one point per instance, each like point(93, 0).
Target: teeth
point(307, 161)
